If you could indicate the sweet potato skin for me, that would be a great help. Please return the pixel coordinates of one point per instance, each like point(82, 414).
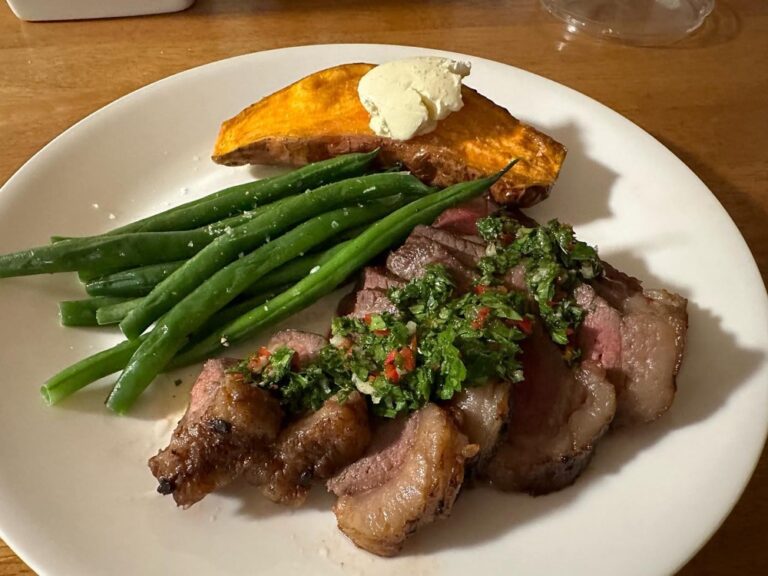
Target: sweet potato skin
point(321, 116)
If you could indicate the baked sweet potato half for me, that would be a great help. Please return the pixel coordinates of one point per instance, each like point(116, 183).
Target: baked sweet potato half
point(321, 116)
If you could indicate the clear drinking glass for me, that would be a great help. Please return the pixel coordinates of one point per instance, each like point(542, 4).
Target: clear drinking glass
point(646, 22)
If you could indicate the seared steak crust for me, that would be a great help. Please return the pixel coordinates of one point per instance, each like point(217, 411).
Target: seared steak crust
point(227, 422)
point(384, 498)
point(315, 446)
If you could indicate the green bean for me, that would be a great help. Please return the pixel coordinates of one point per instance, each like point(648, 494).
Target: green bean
point(243, 197)
point(126, 285)
point(172, 331)
point(269, 222)
point(114, 313)
point(105, 254)
point(83, 312)
point(121, 249)
point(379, 237)
point(132, 282)
point(294, 270)
point(95, 256)
point(136, 282)
point(222, 225)
point(114, 359)
point(234, 310)
point(86, 276)
point(88, 370)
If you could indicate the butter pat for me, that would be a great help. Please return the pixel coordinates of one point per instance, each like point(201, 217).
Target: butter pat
point(408, 97)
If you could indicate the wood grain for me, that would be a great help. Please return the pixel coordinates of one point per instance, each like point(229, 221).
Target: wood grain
point(706, 99)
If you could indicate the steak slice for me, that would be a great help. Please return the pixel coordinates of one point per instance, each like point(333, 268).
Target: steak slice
point(412, 258)
point(639, 338)
point(482, 413)
point(315, 446)
point(226, 423)
point(378, 278)
point(389, 494)
point(306, 345)
point(370, 296)
point(616, 287)
point(653, 340)
point(599, 336)
point(558, 415)
point(462, 219)
point(467, 251)
point(364, 302)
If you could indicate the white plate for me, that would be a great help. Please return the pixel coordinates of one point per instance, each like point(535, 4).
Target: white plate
point(75, 493)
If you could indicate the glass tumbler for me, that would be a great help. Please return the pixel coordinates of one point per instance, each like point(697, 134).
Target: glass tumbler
point(644, 22)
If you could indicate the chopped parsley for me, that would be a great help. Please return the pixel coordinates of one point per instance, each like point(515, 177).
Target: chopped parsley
point(554, 262)
point(438, 342)
point(434, 347)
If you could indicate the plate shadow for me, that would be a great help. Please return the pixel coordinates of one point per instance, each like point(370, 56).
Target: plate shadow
point(579, 167)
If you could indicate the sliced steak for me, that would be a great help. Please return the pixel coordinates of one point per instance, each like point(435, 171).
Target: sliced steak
point(600, 333)
point(616, 287)
point(378, 278)
point(412, 258)
point(468, 252)
point(306, 345)
point(227, 423)
point(639, 338)
point(481, 414)
point(653, 340)
point(673, 309)
point(315, 446)
point(558, 415)
point(391, 493)
point(364, 302)
point(392, 439)
point(462, 219)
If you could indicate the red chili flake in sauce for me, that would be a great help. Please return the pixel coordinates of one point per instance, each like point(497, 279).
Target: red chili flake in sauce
point(391, 373)
point(258, 361)
point(525, 325)
point(409, 362)
point(481, 318)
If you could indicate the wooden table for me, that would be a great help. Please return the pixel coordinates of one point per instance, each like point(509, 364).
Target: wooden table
point(706, 99)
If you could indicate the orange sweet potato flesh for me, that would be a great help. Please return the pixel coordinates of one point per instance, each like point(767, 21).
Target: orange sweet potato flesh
point(321, 116)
